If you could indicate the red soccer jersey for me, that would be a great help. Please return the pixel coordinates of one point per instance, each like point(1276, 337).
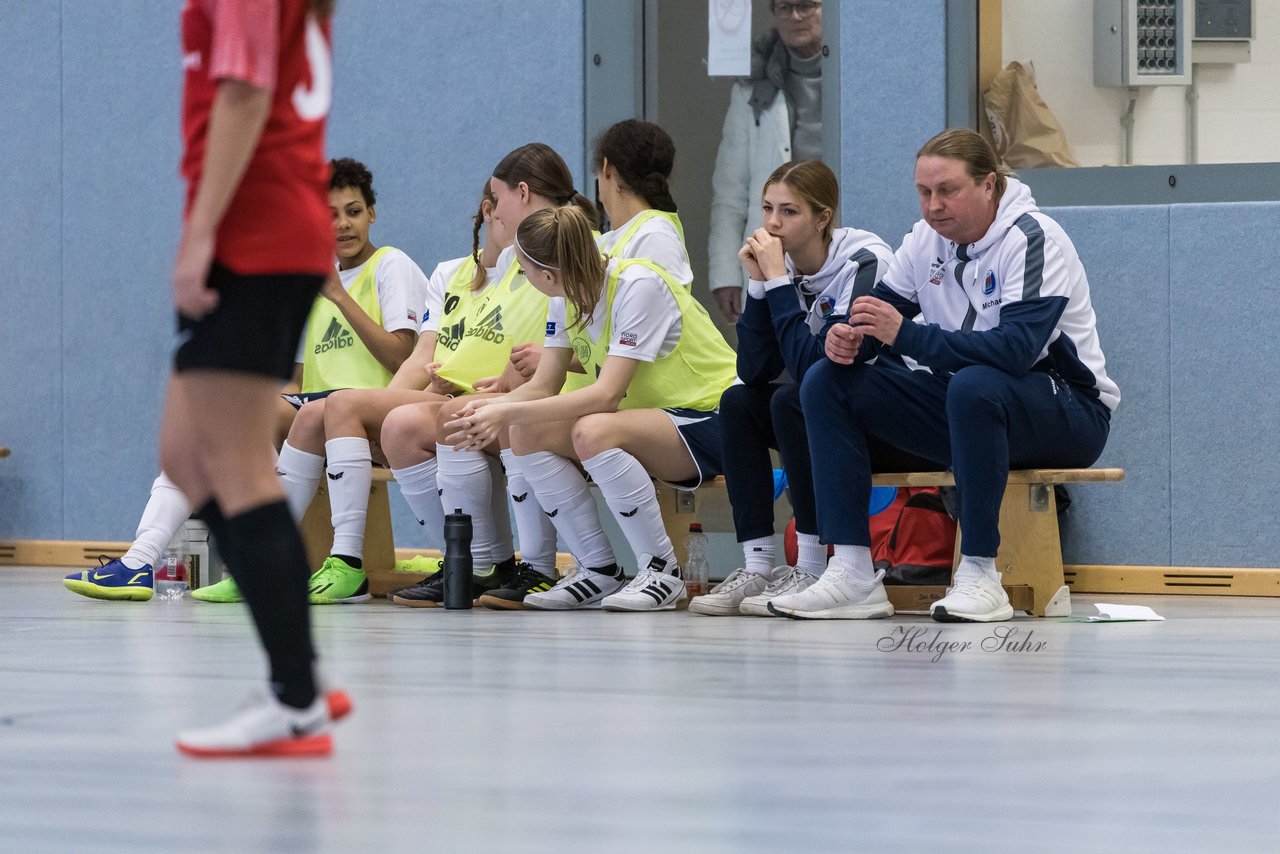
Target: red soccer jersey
point(279, 219)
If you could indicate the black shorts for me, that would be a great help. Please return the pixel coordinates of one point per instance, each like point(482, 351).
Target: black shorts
point(255, 329)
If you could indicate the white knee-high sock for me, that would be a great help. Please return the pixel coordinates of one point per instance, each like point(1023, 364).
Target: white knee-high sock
point(565, 498)
point(420, 492)
point(166, 510)
point(300, 474)
point(628, 491)
point(350, 473)
point(467, 485)
point(811, 554)
point(503, 546)
point(537, 534)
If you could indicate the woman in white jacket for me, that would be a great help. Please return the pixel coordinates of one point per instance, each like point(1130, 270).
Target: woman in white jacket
point(774, 116)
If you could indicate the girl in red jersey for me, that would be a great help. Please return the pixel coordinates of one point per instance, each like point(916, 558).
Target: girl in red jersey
point(257, 244)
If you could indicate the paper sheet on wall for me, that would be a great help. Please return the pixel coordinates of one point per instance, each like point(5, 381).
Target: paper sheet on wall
point(728, 38)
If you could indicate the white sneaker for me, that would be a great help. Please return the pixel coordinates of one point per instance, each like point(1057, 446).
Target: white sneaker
point(836, 595)
point(972, 600)
point(579, 588)
point(264, 727)
point(651, 590)
point(786, 580)
point(725, 598)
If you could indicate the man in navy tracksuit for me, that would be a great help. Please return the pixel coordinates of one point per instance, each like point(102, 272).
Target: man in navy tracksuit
point(978, 350)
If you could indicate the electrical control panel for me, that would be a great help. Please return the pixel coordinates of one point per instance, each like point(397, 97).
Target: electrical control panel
point(1141, 43)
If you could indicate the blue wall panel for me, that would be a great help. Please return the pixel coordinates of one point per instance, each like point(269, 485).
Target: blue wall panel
point(1125, 254)
point(31, 296)
point(121, 116)
point(892, 98)
point(1225, 360)
point(431, 100)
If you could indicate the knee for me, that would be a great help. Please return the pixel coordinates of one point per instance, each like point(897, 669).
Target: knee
point(402, 433)
point(339, 407)
point(784, 407)
point(832, 391)
point(977, 388)
point(524, 439)
point(308, 425)
point(735, 400)
point(593, 434)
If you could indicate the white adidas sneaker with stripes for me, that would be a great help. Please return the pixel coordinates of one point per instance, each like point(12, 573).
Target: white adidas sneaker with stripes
point(580, 588)
point(653, 589)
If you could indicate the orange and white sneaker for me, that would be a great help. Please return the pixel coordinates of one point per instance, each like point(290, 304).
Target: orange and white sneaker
point(339, 704)
point(265, 727)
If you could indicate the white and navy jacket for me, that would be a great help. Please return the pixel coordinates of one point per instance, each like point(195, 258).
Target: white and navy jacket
point(783, 317)
point(1017, 300)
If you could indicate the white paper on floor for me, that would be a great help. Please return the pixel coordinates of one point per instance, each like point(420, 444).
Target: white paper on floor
point(1108, 613)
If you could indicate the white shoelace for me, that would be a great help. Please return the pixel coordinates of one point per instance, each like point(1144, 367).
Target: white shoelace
point(786, 583)
point(737, 578)
point(642, 580)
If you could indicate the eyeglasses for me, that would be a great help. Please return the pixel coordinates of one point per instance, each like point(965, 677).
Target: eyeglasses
point(800, 10)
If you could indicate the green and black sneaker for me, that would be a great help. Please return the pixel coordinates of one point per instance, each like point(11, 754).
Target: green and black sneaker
point(338, 583)
point(510, 597)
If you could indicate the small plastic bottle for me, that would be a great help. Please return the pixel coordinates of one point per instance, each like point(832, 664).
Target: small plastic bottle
point(171, 574)
point(696, 569)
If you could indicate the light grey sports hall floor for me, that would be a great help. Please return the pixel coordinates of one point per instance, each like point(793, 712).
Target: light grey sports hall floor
point(493, 732)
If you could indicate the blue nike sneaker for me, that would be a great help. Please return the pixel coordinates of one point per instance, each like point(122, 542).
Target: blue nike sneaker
point(113, 580)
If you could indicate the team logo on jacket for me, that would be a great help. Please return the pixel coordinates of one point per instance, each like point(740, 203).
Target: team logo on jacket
point(989, 283)
point(936, 270)
point(826, 306)
point(336, 337)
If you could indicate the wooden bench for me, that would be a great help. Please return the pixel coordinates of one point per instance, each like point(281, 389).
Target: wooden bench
point(1030, 556)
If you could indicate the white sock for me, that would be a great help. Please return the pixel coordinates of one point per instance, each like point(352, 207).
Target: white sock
point(628, 490)
point(350, 474)
point(857, 559)
point(300, 474)
point(564, 496)
point(537, 534)
point(503, 546)
point(467, 485)
point(420, 492)
point(975, 567)
point(166, 510)
point(759, 555)
point(812, 557)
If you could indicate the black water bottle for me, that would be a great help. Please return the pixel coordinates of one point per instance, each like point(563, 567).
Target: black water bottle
point(457, 560)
